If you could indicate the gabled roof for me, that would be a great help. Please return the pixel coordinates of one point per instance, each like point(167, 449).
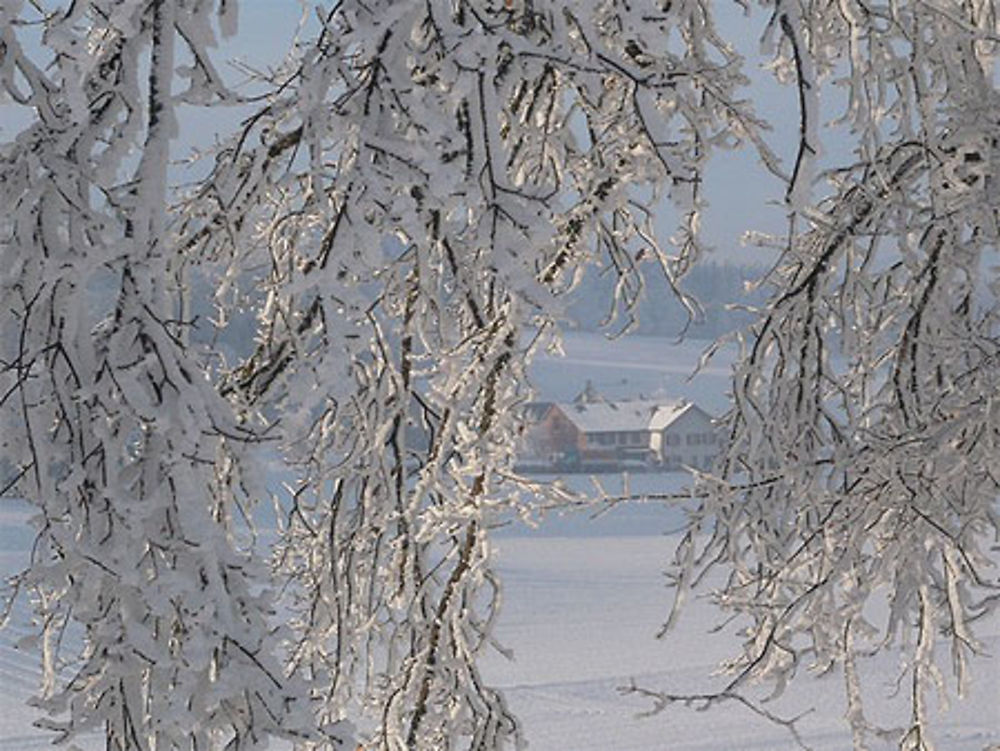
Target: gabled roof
point(632, 415)
point(668, 413)
point(536, 411)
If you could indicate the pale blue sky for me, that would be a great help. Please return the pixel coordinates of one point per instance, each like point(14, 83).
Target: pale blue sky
point(742, 195)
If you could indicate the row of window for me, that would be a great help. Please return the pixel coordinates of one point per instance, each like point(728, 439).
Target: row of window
point(621, 438)
point(675, 461)
point(701, 439)
point(636, 438)
point(692, 439)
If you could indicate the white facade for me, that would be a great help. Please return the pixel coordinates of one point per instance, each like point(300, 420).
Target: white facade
point(691, 440)
point(674, 434)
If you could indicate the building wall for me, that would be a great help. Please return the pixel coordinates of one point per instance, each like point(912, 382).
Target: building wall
point(692, 440)
point(617, 445)
point(612, 439)
point(555, 435)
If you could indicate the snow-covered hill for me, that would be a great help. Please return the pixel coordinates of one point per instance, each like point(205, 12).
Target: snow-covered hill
point(584, 598)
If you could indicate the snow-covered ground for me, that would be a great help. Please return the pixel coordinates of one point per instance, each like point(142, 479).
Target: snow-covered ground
point(584, 598)
point(19, 664)
point(581, 614)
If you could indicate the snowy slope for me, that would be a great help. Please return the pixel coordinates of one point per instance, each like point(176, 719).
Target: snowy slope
point(584, 598)
point(581, 616)
point(634, 366)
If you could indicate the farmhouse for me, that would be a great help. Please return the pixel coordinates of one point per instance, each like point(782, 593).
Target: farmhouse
point(682, 434)
point(610, 432)
point(593, 432)
point(550, 437)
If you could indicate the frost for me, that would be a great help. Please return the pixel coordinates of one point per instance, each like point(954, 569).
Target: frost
point(863, 427)
point(228, 18)
point(413, 195)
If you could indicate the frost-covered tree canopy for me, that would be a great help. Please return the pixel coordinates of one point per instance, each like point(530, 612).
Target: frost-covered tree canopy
point(860, 470)
point(406, 208)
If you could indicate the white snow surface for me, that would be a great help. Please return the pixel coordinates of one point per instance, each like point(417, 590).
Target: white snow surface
point(581, 615)
point(584, 597)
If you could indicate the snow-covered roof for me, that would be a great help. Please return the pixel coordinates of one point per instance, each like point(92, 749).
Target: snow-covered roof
point(638, 414)
point(668, 413)
point(536, 411)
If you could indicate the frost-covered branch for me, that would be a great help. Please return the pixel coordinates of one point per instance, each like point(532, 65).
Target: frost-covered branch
point(155, 615)
point(428, 187)
point(859, 471)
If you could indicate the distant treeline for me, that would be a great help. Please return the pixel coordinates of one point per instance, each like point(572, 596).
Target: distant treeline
point(717, 287)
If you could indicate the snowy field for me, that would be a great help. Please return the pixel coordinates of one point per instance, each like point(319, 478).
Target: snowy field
point(584, 598)
point(581, 613)
point(634, 366)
